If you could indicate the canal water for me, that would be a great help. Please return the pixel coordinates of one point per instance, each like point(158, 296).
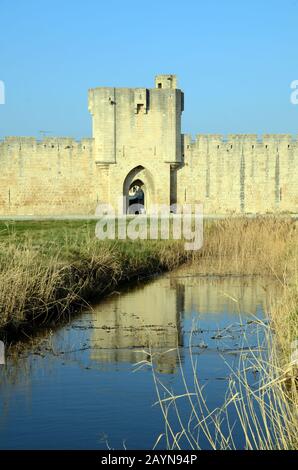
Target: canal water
point(86, 385)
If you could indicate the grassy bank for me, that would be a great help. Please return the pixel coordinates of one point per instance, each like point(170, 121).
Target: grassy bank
point(260, 246)
point(48, 267)
point(266, 411)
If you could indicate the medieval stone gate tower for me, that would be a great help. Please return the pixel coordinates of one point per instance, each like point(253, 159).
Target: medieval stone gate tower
point(137, 145)
point(137, 140)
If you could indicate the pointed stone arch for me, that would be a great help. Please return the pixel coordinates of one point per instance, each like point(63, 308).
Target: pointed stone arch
point(141, 177)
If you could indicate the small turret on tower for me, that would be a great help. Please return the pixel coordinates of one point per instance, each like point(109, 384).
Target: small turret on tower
point(166, 81)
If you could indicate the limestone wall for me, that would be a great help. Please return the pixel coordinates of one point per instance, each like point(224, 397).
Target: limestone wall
point(137, 134)
point(240, 174)
point(59, 176)
point(136, 127)
point(48, 177)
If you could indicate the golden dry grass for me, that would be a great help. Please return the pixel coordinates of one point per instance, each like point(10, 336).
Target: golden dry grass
point(45, 269)
point(48, 267)
point(267, 415)
point(262, 245)
point(41, 281)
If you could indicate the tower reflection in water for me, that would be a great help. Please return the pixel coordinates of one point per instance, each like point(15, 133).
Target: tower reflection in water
point(148, 317)
point(158, 315)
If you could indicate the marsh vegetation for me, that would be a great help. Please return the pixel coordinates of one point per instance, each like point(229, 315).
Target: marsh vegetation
point(50, 269)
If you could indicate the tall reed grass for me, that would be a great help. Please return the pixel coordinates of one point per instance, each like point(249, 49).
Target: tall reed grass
point(46, 268)
point(257, 246)
point(43, 275)
point(266, 413)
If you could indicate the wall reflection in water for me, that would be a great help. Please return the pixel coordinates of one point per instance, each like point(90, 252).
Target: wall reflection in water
point(154, 315)
point(144, 318)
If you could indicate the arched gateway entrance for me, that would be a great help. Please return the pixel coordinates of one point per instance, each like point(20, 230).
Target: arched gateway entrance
point(138, 191)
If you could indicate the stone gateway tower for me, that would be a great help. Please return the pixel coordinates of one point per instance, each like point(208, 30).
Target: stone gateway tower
point(137, 155)
point(137, 142)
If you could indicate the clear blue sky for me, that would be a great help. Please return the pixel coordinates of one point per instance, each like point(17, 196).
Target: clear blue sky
point(234, 59)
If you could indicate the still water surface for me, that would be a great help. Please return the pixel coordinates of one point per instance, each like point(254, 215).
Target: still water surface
point(79, 386)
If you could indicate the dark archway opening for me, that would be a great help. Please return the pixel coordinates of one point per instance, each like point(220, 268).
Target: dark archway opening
point(136, 198)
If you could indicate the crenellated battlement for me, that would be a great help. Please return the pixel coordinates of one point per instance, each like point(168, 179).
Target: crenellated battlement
point(47, 142)
point(253, 141)
point(136, 136)
point(243, 138)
